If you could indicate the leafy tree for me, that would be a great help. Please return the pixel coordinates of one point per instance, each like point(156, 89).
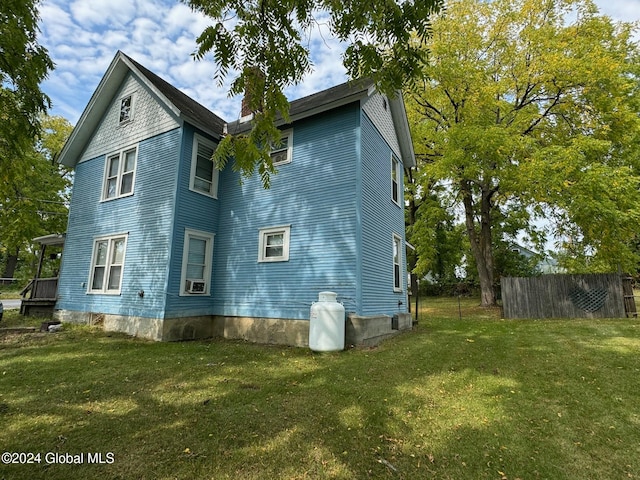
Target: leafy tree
point(23, 66)
point(529, 110)
point(437, 238)
point(262, 43)
point(34, 199)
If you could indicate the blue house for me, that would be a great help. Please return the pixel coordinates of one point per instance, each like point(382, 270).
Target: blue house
point(162, 245)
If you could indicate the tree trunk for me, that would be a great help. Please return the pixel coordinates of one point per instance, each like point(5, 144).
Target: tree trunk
point(10, 267)
point(480, 240)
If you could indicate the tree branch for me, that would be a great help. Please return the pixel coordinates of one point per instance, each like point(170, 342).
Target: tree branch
point(556, 101)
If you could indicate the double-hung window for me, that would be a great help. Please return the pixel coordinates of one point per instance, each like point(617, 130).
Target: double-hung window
point(204, 175)
point(196, 263)
point(274, 244)
point(396, 177)
point(120, 174)
point(107, 264)
point(397, 263)
point(282, 152)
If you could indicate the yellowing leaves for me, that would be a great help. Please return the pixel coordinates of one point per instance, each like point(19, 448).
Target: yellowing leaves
point(539, 109)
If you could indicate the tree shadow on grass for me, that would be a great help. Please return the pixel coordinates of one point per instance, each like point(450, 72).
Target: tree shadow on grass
point(462, 400)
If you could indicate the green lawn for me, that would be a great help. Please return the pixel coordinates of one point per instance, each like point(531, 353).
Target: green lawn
point(471, 398)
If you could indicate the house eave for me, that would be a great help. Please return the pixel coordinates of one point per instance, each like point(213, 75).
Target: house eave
point(52, 239)
point(201, 126)
point(403, 132)
point(91, 115)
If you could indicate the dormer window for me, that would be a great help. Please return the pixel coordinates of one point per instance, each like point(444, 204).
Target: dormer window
point(126, 109)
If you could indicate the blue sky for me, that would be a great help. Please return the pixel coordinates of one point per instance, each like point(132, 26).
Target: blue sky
point(83, 36)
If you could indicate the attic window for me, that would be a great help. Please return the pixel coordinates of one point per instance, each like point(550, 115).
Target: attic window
point(126, 109)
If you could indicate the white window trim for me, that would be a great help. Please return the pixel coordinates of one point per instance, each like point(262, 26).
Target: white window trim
point(194, 161)
point(208, 237)
point(105, 186)
point(288, 134)
point(105, 284)
point(286, 238)
point(395, 165)
point(397, 240)
point(131, 110)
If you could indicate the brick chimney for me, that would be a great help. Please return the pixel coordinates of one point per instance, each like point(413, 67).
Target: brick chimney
point(253, 74)
point(245, 111)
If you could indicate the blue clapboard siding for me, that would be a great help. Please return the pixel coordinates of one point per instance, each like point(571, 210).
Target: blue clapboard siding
point(316, 195)
point(381, 218)
point(146, 216)
point(194, 211)
point(335, 195)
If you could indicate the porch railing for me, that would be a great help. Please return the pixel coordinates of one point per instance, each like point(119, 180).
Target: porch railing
point(41, 289)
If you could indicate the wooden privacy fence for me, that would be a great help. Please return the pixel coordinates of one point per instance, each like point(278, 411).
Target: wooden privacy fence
point(629, 299)
point(567, 296)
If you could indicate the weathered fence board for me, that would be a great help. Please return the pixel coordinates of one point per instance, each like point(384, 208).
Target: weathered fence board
point(629, 299)
point(563, 296)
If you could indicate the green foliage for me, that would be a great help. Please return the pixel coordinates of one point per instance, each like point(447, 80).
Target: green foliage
point(23, 65)
point(525, 115)
point(34, 197)
point(438, 241)
point(262, 43)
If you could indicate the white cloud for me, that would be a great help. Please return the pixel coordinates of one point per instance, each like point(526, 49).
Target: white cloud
point(103, 12)
point(57, 19)
point(114, 39)
point(82, 37)
point(180, 18)
point(626, 10)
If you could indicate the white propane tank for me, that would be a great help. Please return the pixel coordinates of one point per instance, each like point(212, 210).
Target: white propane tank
point(326, 324)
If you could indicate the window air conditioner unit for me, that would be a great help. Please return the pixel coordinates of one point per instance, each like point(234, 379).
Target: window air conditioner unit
point(196, 286)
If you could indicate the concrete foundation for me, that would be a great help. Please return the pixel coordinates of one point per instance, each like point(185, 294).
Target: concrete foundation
point(158, 329)
point(359, 331)
point(371, 331)
point(276, 331)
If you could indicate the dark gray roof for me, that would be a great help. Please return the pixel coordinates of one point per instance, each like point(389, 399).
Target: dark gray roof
point(187, 106)
point(343, 91)
point(342, 94)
